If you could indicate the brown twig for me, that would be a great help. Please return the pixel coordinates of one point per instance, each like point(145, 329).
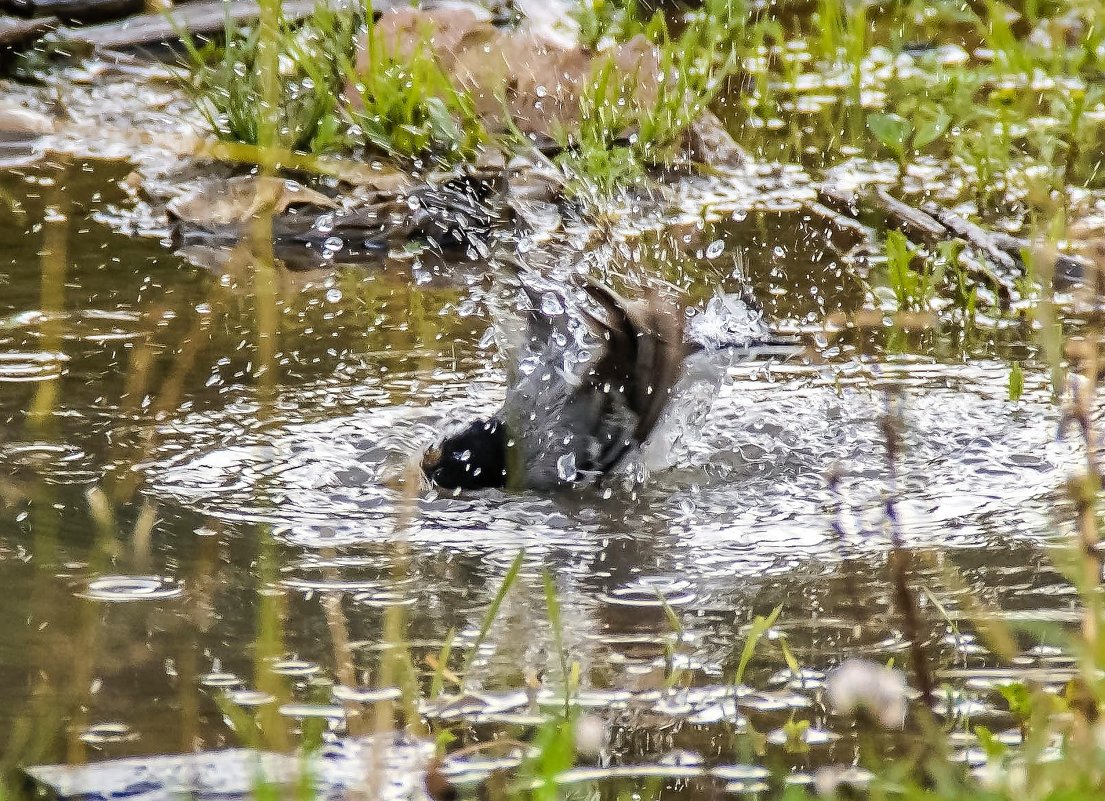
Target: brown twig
point(914, 223)
point(977, 238)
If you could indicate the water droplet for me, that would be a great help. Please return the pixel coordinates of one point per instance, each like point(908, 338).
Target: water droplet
point(481, 248)
point(364, 695)
point(715, 249)
point(333, 244)
point(329, 711)
point(295, 667)
point(333, 295)
point(551, 305)
point(566, 467)
point(325, 224)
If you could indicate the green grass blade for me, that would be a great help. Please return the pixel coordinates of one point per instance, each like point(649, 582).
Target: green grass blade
point(760, 626)
point(493, 612)
point(437, 683)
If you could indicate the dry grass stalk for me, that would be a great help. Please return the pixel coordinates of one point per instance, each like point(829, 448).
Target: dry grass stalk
point(904, 599)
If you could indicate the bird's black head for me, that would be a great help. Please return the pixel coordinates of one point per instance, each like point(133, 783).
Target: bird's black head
point(473, 458)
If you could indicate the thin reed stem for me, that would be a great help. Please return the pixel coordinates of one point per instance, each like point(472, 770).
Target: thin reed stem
point(904, 598)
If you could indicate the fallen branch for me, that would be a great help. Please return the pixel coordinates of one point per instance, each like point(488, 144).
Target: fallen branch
point(933, 224)
point(841, 222)
point(977, 238)
point(74, 10)
point(914, 223)
point(18, 34)
point(207, 18)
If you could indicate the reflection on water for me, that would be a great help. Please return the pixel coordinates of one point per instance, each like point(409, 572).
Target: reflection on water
point(158, 483)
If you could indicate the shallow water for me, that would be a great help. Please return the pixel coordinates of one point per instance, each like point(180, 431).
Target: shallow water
point(169, 493)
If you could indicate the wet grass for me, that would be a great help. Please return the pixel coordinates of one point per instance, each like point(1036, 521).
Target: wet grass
point(343, 91)
point(623, 132)
point(1004, 111)
point(340, 91)
point(225, 82)
point(407, 107)
point(966, 105)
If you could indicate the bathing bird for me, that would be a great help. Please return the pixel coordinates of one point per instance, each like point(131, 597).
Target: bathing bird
point(593, 374)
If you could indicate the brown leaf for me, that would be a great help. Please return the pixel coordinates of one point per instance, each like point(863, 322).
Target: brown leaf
point(240, 199)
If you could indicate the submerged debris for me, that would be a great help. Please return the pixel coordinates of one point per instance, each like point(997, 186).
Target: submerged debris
point(996, 259)
point(310, 229)
point(237, 201)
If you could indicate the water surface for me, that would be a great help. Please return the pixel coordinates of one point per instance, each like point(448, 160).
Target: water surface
point(164, 492)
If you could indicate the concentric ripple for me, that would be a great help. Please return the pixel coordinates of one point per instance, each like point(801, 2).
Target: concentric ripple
point(750, 490)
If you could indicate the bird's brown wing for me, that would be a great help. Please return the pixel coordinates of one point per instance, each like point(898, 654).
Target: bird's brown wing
point(644, 353)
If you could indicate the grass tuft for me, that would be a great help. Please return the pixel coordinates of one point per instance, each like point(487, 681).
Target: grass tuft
point(225, 85)
point(407, 107)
